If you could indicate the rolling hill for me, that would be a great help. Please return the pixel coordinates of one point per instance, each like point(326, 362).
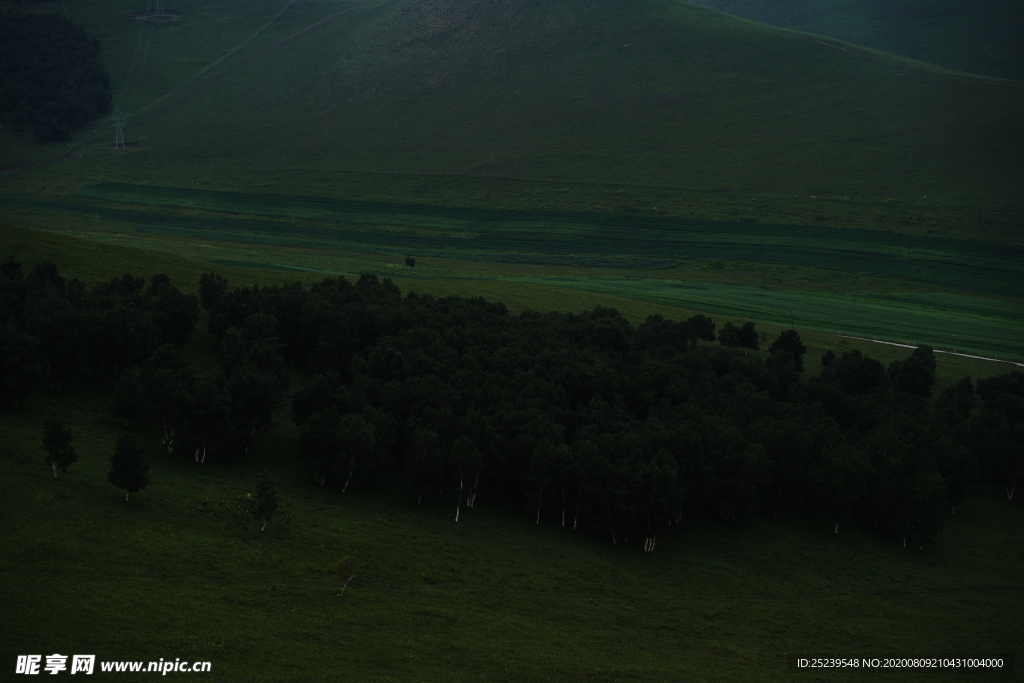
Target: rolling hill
point(650, 92)
point(646, 92)
point(984, 37)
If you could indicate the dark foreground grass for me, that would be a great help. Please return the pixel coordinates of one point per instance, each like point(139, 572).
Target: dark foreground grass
point(178, 574)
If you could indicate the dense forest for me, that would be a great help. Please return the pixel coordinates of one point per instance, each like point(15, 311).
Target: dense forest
point(584, 420)
point(50, 76)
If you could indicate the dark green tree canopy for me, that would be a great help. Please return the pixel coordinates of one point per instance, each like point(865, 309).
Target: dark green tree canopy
point(582, 418)
point(914, 375)
point(743, 337)
point(128, 470)
point(789, 341)
point(50, 78)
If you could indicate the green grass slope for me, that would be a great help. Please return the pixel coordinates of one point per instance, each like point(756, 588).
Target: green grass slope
point(983, 37)
point(178, 573)
point(647, 92)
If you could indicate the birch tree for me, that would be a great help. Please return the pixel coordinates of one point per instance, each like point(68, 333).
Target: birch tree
point(358, 440)
point(337, 446)
point(165, 393)
point(57, 442)
point(464, 460)
point(838, 480)
point(263, 505)
point(424, 464)
point(128, 471)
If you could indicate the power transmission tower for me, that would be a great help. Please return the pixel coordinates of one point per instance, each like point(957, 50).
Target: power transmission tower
point(159, 8)
point(118, 127)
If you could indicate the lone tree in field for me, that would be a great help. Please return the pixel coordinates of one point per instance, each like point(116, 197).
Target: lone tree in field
point(57, 442)
point(128, 471)
point(263, 505)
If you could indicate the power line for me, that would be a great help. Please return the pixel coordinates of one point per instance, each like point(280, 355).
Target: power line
point(118, 127)
point(137, 66)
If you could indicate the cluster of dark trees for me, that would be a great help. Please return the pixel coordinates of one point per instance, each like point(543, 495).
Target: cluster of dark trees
point(585, 420)
point(50, 76)
point(54, 329)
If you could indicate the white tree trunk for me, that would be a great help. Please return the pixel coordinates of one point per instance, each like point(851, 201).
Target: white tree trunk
point(55, 477)
point(126, 496)
point(458, 507)
point(577, 516)
point(837, 528)
point(725, 514)
point(563, 507)
point(168, 438)
point(1009, 489)
point(649, 542)
point(345, 487)
point(264, 527)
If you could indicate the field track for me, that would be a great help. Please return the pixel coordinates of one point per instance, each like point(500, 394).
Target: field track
point(950, 353)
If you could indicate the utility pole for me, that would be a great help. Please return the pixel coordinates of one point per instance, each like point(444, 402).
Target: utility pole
point(118, 127)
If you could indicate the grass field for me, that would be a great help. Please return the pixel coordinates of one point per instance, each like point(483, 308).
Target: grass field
point(950, 293)
point(178, 574)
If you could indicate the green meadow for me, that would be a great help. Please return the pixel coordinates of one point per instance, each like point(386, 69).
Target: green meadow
point(951, 293)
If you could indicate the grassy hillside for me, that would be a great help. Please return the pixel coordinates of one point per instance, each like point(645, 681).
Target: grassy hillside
point(647, 92)
point(983, 37)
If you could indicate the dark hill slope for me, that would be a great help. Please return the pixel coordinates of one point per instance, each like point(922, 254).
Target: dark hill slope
point(981, 36)
point(642, 92)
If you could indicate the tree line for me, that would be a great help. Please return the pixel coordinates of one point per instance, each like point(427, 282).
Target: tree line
point(50, 77)
point(583, 420)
